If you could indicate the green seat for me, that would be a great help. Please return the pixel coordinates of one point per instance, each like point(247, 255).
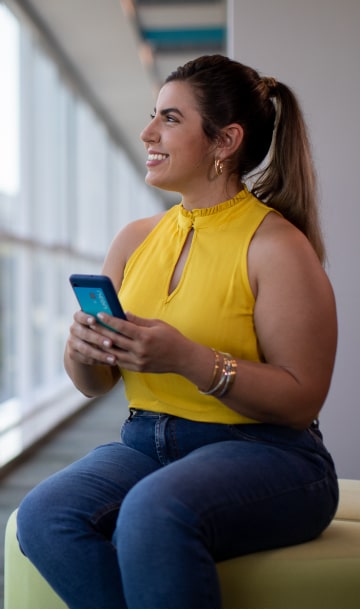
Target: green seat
point(323, 573)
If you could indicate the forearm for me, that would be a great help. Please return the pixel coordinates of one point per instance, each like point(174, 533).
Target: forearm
point(273, 395)
point(260, 391)
point(91, 379)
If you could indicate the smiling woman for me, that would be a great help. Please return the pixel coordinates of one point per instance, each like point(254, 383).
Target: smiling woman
point(222, 435)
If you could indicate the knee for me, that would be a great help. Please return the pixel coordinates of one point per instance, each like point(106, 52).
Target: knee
point(38, 509)
point(147, 500)
point(29, 517)
point(153, 508)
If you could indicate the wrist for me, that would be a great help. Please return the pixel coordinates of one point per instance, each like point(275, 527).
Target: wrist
point(223, 377)
point(212, 371)
point(197, 363)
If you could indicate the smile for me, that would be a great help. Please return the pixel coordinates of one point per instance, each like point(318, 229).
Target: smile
point(156, 157)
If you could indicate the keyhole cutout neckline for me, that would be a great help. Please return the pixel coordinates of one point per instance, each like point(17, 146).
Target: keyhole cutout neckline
point(192, 220)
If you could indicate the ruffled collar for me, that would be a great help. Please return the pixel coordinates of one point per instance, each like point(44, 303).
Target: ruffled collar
point(205, 217)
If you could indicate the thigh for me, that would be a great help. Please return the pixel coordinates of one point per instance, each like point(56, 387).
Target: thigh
point(91, 489)
point(244, 496)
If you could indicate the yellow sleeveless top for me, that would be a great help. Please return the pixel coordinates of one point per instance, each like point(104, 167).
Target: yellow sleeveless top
point(212, 304)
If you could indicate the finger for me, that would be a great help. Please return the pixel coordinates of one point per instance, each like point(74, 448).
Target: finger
point(138, 320)
point(83, 318)
point(89, 353)
point(111, 323)
point(84, 336)
point(106, 336)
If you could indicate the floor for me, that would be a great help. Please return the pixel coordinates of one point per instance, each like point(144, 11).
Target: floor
point(98, 423)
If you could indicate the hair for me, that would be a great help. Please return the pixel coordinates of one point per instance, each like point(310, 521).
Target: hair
point(274, 129)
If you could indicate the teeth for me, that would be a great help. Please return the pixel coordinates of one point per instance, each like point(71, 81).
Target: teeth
point(156, 157)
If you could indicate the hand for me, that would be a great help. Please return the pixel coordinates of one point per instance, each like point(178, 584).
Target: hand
point(87, 342)
point(136, 344)
point(141, 344)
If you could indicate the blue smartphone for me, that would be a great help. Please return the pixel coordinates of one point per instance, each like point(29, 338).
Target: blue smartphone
point(96, 293)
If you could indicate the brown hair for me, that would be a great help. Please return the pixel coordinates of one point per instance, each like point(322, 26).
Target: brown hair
point(230, 92)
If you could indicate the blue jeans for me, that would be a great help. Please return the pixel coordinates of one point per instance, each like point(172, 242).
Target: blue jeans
point(141, 523)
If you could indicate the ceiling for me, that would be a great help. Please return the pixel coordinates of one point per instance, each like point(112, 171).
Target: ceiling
point(119, 51)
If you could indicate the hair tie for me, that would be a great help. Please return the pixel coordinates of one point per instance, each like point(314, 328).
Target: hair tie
point(271, 83)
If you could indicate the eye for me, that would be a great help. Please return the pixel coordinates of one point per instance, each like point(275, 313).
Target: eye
point(152, 115)
point(170, 118)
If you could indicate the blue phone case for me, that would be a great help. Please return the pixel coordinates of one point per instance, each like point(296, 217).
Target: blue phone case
point(96, 293)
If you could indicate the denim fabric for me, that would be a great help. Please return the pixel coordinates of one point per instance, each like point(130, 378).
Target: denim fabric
point(141, 523)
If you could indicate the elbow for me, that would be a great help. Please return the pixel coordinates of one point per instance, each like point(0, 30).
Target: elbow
point(307, 410)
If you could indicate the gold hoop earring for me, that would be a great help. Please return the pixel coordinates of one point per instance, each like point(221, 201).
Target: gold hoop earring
point(219, 166)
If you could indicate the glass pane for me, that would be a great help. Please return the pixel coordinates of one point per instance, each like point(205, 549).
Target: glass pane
point(9, 103)
point(8, 271)
point(39, 318)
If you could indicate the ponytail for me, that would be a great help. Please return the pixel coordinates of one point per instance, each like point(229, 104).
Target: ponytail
point(288, 182)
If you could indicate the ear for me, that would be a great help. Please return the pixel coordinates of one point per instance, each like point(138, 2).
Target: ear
point(230, 140)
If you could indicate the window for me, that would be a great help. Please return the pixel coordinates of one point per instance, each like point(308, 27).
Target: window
point(65, 189)
point(9, 103)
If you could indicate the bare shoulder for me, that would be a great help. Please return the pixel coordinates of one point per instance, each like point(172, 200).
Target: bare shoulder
point(275, 233)
point(280, 250)
point(125, 243)
point(135, 232)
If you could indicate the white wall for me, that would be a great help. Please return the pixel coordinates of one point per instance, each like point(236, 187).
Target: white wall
point(314, 47)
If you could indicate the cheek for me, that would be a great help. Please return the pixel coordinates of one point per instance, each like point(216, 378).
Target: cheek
point(202, 155)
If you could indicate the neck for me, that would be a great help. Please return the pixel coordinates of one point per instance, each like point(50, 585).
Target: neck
point(215, 194)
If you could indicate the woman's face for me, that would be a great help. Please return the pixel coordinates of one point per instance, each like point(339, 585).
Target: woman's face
point(180, 156)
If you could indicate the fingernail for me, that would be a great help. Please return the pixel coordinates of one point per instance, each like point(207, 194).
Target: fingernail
point(106, 342)
point(111, 359)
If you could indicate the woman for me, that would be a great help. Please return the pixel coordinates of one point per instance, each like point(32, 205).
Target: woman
point(226, 355)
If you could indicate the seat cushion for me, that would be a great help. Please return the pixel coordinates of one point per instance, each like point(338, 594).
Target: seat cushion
point(24, 587)
point(349, 504)
point(323, 573)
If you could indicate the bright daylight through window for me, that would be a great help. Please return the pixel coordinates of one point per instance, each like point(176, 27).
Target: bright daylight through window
point(9, 106)
point(66, 188)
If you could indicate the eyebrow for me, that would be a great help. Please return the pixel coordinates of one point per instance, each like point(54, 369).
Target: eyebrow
point(167, 110)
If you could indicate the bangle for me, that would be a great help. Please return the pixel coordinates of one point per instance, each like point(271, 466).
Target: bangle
point(228, 373)
point(220, 383)
point(215, 371)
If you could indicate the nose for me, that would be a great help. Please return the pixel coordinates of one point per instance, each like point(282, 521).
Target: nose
point(150, 133)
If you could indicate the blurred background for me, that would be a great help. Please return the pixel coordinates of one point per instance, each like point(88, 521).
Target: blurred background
point(79, 79)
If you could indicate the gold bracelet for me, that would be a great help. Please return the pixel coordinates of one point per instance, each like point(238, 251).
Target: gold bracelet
point(215, 371)
point(216, 367)
point(223, 381)
point(219, 389)
point(230, 377)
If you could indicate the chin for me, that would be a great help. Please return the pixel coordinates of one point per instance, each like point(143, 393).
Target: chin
point(160, 184)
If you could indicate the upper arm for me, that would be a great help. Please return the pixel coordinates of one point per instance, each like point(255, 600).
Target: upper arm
point(295, 314)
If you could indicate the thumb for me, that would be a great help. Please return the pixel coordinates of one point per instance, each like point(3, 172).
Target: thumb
point(138, 321)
